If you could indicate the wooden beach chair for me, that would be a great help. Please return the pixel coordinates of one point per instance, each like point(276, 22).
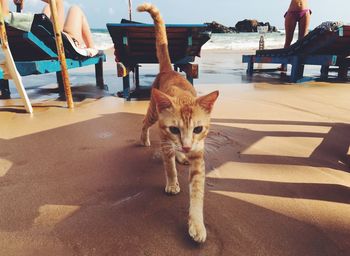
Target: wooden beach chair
point(35, 53)
point(8, 68)
point(323, 46)
point(134, 44)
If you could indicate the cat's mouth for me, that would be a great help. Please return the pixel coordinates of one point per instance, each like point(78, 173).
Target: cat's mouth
point(181, 150)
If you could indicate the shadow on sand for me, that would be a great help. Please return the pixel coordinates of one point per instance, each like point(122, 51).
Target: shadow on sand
point(116, 190)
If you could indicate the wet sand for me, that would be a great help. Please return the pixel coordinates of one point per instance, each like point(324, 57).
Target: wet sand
point(76, 182)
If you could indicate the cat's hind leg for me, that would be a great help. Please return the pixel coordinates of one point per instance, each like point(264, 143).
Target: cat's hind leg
point(150, 118)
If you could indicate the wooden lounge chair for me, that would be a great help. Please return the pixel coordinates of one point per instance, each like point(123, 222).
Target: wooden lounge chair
point(322, 46)
point(8, 68)
point(35, 53)
point(134, 44)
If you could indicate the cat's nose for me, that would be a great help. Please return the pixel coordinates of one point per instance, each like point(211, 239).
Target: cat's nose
point(186, 149)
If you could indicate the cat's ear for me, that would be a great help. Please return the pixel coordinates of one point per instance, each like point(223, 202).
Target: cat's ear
point(162, 100)
point(207, 101)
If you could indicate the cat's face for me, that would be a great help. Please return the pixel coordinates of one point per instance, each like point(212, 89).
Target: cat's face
point(184, 120)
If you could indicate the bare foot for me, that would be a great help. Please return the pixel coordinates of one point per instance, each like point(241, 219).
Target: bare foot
point(91, 52)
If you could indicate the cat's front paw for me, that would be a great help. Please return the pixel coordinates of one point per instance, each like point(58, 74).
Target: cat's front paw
point(172, 188)
point(197, 231)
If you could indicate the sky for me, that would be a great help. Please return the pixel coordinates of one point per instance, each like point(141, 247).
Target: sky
point(226, 12)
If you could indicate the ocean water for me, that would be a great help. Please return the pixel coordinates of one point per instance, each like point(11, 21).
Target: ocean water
point(102, 38)
point(244, 41)
point(232, 41)
point(216, 67)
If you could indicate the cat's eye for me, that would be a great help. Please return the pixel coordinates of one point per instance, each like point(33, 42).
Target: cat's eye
point(198, 129)
point(174, 130)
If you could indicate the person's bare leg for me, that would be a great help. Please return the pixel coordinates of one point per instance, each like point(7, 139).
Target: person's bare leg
point(5, 7)
point(289, 25)
point(304, 24)
point(47, 11)
point(60, 12)
point(77, 26)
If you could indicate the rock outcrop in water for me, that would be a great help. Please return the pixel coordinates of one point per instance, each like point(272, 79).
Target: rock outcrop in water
point(252, 26)
point(219, 28)
point(241, 26)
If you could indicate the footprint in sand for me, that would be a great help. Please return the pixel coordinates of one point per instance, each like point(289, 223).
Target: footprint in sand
point(105, 135)
point(216, 140)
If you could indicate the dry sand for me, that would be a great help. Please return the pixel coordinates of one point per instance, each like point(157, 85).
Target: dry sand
point(278, 183)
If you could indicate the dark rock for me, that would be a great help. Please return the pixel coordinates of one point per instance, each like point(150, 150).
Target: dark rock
point(274, 29)
point(252, 26)
point(219, 28)
point(247, 26)
point(233, 29)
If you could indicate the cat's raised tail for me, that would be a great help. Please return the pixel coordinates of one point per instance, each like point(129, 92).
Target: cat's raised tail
point(161, 37)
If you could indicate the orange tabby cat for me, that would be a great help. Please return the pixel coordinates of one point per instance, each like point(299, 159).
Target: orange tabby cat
point(183, 125)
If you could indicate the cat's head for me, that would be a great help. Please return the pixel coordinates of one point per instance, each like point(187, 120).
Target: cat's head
point(184, 120)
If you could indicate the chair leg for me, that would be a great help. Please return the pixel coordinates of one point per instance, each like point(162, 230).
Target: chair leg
point(250, 68)
point(297, 70)
point(137, 76)
point(126, 87)
point(5, 89)
point(324, 71)
point(191, 70)
point(99, 76)
point(60, 84)
point(189, 78)
point(343, 72)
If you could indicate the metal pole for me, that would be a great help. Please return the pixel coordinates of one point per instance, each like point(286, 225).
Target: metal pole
point(130, 8)
point(19, 5)
point(61, 54)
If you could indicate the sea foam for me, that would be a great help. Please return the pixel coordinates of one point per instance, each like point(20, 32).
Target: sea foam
point(231, 41)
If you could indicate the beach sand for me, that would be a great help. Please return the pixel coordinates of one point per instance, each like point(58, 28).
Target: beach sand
point(76, 182)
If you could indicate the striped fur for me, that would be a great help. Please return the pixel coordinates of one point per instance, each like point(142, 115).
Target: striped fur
point(183, 121)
